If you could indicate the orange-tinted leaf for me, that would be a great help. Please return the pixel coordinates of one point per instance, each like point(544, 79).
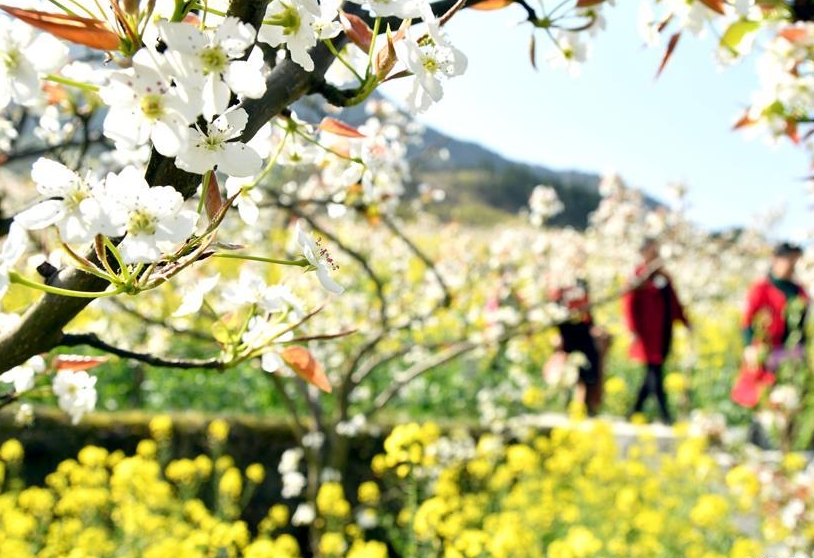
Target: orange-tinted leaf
point(339, 128)
point(794, 34)
point(213, 201)
point(357, 30)
point(491, 5)
point(743, 122)
point(54, 93)
point(75, 363)
point(791, 131)
point(671, 46)
point(714, 5)
point(588, 3)
point(304, 364)
point(92, 33)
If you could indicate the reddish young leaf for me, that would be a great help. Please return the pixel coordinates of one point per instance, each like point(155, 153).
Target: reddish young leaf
point(192, 19)
point(671, 46)
point(588, 3)
point(213, 201)
point(487, 5)
point(791, 131)
point(714, 5)
point(357, 30)
point(794, 34)
point(339, 128)
point(92, 33)
point(304, 364)
point(75, 363)
point(743, 122)
point(54, 93)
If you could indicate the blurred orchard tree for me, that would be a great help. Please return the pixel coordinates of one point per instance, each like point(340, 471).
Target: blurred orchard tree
point(144, 124)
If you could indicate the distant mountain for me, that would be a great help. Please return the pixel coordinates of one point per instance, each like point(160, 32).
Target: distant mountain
point(481, 186)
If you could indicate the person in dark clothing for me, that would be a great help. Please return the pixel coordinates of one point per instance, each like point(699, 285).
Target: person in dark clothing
point(650, 308)
point(579, 334)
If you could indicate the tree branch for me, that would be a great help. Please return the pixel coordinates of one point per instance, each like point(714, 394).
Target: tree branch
point(40, 329)
point(92, 340)
point(417, 370)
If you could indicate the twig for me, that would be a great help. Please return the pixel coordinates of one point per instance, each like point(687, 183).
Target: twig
point(92, 340)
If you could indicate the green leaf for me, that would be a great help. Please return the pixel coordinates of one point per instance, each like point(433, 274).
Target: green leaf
point(735, 33)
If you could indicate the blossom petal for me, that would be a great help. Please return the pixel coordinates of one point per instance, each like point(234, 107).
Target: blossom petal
point(239, 160)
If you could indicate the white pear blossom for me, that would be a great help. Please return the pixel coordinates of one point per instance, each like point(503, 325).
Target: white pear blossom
point(430, 58)
point(22, 376)
point(291, 23)
point(319, 259)
point(24, 57)
point(326, 25)
point(692, 15)
point(404, 9)
point(248, 289)
point(155, 218)
point(248, 196)
point(65, 191)
point(544, 204)
point(210, 61)
point(569, 52)
point(193, 298)
point(12, 250)
point(205, 150)
point(145, 106)
point(76, 393)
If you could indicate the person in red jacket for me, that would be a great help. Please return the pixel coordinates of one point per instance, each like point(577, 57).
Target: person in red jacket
point(773, 330)
point(776, 307)
point(650, 307)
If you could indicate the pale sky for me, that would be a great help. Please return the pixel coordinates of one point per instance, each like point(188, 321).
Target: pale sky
point(616, 117)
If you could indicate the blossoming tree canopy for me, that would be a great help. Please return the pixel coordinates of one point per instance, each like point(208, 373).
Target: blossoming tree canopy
point(192, 96)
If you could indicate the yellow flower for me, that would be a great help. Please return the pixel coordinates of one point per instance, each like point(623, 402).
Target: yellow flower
point(218, 430)
point(204, 466)
point(92, 456)
point(368, 549)
point(675, 383)
point(615, 386)
point(331, 500)
point(368, 493)
point(638, 418)
point(745, 547)
point(11, 451)
point(231, 483)
point(279, 514)
point(379, 464)
point(533, 397)
point(37, 501)
point(161, 428)
point(709, 509)
point(332, 544)
point(582, 542)
point(794, 462)
point(147, 449)
point(255, 473)
point(182, 471)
